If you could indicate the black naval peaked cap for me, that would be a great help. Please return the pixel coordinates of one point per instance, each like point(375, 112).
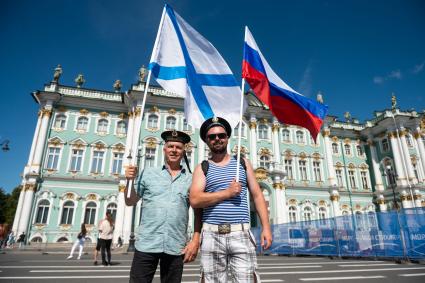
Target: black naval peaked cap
point(214, 122)
point(176, 136)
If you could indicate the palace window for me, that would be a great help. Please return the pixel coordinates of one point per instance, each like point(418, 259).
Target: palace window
point(263, 131)
point(189, 154)
point(338, 173)
point(307, 214)
point(347, 149)
point(82, 123)
point(352, 178)
point(300, 137)
point(292, 214)
point(242, 130)
point(322, 215)
point(385, 146)
point(286, 135)
point(170, 123)
point(102, 126)
point(42, 212)
point(316, 170)
point(97, 162)
point(150, 157)
point(90, 213)
point(60, 121)
point(335, 148)
point(76, 159)
point(363, 175)
point(67, 212)
point(186, 126)
point(112, 209)
point(153, 121)
point(265, 161)
point(53, 158)
point(117, 162)
point(288, 169)
point(415, 169)
point(121, 128)
point(359, 150)
point(409, 140)
point(303, 170)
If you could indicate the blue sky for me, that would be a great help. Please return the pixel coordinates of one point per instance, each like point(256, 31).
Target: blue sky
point(355, 52)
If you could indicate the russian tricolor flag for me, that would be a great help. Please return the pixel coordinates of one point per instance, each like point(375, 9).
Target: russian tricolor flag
point(289, 106)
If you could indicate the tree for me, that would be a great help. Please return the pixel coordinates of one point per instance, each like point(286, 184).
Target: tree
point(8, 204)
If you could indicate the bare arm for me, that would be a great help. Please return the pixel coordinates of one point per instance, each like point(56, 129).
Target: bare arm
point(260, 205)
point(200, 199)
point(130, 174)
point(191, 250)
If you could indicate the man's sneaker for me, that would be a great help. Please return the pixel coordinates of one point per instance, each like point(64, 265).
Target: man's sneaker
point(69, 257)
point(95, 262)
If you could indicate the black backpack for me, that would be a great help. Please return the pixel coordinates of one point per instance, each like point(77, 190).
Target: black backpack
point(205, 165)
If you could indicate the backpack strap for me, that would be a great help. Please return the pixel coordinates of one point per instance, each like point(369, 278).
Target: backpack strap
point(205, 165)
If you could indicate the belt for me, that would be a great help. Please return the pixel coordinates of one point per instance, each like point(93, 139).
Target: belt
point(225, 228)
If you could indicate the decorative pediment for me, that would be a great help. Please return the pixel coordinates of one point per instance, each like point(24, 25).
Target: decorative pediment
point(335, 139)
point(118, 147)
point(260, 174)
point(61, 109)
point(91, 197)
point(302, 155)
point(151, 142)
point(99, 145)
point(363, 166)
point(265, 151)
point(244, 150)
point(347, 141)
point(104, 114)
point(78, 143)
point(84, 112)
point(264, 121)
point(351, 166)
point(293, 202)
point(172, 111)
point(123, 116)
point(316, 156)
point(55, 141)
point(344, 206)
point(154, 109)
point(322, 203)
point(70, 196)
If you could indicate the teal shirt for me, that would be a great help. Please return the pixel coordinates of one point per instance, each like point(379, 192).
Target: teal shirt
point(165, 211)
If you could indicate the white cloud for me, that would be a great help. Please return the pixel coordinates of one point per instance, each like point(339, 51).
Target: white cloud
point(396, 74)
point(306, 83)
point(418, 68)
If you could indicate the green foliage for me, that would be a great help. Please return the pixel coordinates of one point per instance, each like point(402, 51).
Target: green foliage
point(8, 204)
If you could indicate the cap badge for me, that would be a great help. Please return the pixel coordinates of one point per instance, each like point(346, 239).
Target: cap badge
point(215, 119)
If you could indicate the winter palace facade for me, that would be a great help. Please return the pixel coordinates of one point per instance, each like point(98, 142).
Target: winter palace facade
point(83, 138)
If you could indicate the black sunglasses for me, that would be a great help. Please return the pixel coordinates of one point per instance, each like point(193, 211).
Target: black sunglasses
point(214, 136)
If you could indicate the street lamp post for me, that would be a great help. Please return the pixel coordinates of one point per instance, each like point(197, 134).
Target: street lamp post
point(132, 240)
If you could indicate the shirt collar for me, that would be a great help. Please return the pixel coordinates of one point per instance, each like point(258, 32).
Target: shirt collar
point(182, 169)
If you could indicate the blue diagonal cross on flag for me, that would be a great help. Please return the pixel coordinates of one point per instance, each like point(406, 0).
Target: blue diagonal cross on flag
point(185, 63)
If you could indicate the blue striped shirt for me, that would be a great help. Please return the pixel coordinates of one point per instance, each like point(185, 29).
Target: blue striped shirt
point(229, 211)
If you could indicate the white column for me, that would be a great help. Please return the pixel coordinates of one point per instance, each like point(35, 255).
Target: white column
point(34, 143)
point(418, 200)
point(38, 151)
point(406, 157)
point(275, 141)
point(382, 206)
point(401, 176)
point(26, 208)
point(375, 166)
point(329, 159)
point(201, 150)
point(421, 148)
point(18, 211)
point(119, 219)
point(335, 205)
point(253, 144)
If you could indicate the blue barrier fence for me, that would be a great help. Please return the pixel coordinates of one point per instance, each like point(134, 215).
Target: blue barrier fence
point(381, 234)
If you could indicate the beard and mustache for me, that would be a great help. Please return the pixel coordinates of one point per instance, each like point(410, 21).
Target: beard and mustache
point(218, 147)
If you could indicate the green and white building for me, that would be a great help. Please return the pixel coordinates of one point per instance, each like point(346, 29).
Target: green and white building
point(75, 169)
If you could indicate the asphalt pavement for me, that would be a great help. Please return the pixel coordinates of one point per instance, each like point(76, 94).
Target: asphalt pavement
point(52, 266)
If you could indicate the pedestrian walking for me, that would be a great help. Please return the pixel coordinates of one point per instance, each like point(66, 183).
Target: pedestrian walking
point(228, 245)
point(21, 240)
point(106, 230)
point(81, 238)
point(10, 240)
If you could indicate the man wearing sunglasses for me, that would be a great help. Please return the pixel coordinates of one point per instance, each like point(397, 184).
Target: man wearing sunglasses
point(227, 243)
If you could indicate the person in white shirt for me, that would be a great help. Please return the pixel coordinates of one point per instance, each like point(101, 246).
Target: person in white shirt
point(106, 230)
point(81, 238)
